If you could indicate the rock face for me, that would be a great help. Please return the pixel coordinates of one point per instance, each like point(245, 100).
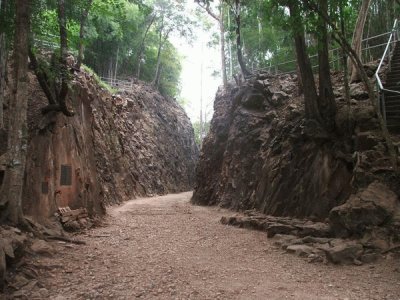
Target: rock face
point(261, 154)
point(115, 148)
point(373, 206)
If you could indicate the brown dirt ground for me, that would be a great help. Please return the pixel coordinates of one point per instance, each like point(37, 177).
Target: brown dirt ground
point(165, 248)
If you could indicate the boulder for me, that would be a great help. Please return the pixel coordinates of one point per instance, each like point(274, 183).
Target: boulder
point(3, 267)
point(300, 250)
point(358, 92)
point(279, 97)
point(277, 228)
point(42, 247)
point(372, 207)
point(344, 252)
point(365, 141)
point(253, 99)
point(317, 229)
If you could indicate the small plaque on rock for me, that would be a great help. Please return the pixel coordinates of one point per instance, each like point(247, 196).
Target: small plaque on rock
point(45, 187)
point(66, 175)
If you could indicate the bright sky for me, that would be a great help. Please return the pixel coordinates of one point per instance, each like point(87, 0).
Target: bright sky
point(194, 55)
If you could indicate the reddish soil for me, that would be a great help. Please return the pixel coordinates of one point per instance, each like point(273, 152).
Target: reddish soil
point(165, 248)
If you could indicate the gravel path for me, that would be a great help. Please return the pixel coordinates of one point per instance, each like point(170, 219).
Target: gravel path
point(165, 248)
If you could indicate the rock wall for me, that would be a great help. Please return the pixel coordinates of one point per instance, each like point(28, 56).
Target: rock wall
point(262, 154)
point(114, 148)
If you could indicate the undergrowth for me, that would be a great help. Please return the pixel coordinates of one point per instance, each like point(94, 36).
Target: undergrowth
point(100, 82)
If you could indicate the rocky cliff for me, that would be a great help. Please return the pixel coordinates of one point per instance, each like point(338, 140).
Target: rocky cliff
point(115, 147)
point(262, 154)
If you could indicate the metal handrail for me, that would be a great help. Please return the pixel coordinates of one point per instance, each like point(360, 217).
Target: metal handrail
point(276, 66)
point(393, 38)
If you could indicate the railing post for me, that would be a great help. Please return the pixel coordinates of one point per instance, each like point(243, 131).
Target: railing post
point(383, 107)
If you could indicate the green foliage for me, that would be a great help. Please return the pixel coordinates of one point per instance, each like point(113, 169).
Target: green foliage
point(197, 135)
point(100, 82)
point(114, 33)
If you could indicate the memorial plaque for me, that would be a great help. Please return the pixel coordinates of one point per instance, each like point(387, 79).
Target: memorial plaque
point(66, 175)
point(45, 187)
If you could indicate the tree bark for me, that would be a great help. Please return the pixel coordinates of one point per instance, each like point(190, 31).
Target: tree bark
point(11, 190)
point(345, 69)
point(160, 45)
point(356, 43)
point(303, 61)
point(141, 47)
point(222, 41)
point(3, 59)
point(327, 104)
point(346, 47)
point(220, 19)
point(62, 96)
point(84, 16)
point(242, 64)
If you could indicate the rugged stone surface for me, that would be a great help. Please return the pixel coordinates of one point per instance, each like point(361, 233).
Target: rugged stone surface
point(12, 247)
point(266, 157)
point(373, 206)
point(115, 148)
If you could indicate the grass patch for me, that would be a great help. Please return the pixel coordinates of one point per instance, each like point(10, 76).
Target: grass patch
point(100, 82)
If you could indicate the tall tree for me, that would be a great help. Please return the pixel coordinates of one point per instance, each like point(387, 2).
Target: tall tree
point(345, 45)
point(171, 18)
point(57, 98)
point(356, 43)
point(139, 57)
point(242, 64)
point(3, 57)
point(327, 105)
point(84, 16)
point(220, 19)
point(11, 189)
point(303, 61)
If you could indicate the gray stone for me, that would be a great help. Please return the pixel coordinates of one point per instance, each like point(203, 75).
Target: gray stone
point(358, 91)
point(344, 253)
point(3, 268)
point(42, 247)
point(317, 229)
point(300, 250)
point(316, 240)
point(369, 257)
point(371, 207)
point(276, 228)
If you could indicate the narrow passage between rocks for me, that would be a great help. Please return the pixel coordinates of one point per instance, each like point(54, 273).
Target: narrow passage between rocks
point(165, 248)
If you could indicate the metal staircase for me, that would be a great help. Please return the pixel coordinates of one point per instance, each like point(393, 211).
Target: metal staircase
point(389, 91)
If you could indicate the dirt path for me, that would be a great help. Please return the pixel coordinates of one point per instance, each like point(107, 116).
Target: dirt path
point(165, 248)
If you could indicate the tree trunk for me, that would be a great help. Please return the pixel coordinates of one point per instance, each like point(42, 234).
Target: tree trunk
point(220, 20)
point(327, 105)
point(303, 61)
point(62, 96)
point(160, 44)
point(3, 59)
point(84, 16)
point(345, 69)
point(357, 37)
point(141, 47)
point(341, 40)
point(11, 190)
point(158, 76)
point(222, 41)
point(242, 64)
